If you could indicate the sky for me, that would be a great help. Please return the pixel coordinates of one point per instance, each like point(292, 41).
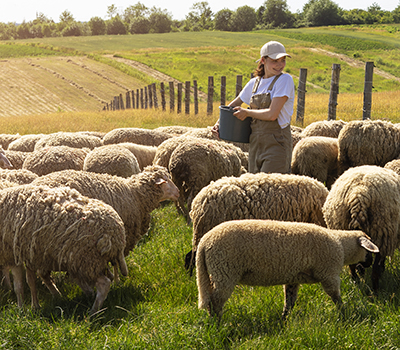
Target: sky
point(25, 10)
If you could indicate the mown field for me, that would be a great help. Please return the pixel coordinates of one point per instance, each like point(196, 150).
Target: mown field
point(155, 307)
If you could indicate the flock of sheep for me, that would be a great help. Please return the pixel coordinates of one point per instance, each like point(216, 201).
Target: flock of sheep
point(80, 202)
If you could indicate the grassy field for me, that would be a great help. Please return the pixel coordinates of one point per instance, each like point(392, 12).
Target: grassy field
point(155, 307)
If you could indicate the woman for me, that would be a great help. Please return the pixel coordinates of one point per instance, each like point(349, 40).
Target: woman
point(270, 95)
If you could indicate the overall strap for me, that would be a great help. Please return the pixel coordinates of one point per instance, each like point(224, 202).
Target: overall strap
point(257, 83)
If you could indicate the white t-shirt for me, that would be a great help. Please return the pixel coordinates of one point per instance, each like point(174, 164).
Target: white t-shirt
point(284, 86)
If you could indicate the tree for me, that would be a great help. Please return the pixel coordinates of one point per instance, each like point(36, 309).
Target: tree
point(139, 25)
point(97, 26)
point(223, 20)
point(322, 13)
point(201, 17)
point(160, 21)
point(277, 14)
point(115, 26)
point(135, 11)
point(111, 11)
point(66, 17)
point(244, 19)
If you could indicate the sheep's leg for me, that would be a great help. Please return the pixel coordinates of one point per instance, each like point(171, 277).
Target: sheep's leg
point(48, 281)
point(6, 277)
point(31, 280)
point(18, 272)
point(377, 270)
point(290, 291)
point(219, 295)
point(102, 288)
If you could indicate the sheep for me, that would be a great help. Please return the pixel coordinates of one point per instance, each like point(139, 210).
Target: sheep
point(393, 165)
point(54, 158)
point(175, 129)
point(25, 143)
point(19, 176)
point(367, 142)
point(134, 198)
point(197, 162)
point(16, 158)
point(57, 229)
point(144, 154)
point(71, 139)
point(136, 135)
point(4, 161)
point(6, 139)
point(367, 198)
point(111, 159)
point(284, 197)
point(317, 157)
point(268, 253)
point(328, 128)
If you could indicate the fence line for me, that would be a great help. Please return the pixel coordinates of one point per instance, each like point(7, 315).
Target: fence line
point(147, 97)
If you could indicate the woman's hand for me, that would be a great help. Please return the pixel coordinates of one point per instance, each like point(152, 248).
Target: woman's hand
point(215, 130)
point(241, 113)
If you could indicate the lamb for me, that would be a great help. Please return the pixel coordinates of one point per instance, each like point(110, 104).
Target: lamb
point(327, 128)
point(136, 135)
point(197, 162)
point(111, 159)
point(283, 197)
point(58, 229)
point(134, 198)
point(54, 158)
point(317, 157)
point(367, 198)
point(267, 253)
point(144, 154)
point(25, 143)
point(71, 139)
point(367, 142)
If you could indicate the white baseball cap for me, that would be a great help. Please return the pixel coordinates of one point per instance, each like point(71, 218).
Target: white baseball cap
point(274, 50)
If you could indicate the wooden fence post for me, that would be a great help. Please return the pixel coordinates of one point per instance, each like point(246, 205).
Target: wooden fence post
point(179, 103)
point(334, 92)
point(171, 96)
point(210, 95)
point(150, 90)
point(162, 91)
point(239, 82)
point(141, 99)
point(369, 69)
point(146, 98)
point(301, 96)
point(128, 99)
point(137, 99)
point(223, 90)
point(155, 100)
point(121, 101)
point(133, 98)
point(187, 97)
point(195, 97)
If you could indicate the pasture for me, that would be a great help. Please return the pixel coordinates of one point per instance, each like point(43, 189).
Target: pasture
point(155, 307)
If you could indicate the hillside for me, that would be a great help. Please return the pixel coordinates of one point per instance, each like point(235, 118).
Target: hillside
point(85, 73)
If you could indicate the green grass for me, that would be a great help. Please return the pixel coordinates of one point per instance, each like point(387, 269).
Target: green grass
point(155, 307)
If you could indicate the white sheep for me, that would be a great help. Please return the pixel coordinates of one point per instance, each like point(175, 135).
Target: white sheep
point(393, 165)
point(367, 142)
point(327, 128)
point(143, 153)
point(46, 160)
point(134, 198)
point(25, 143)
point(111, 159)
point(136, 135)
point(367, 198)
point(58, 229)
point(6, 139)
point(284, 197)
point(19, 176)
point(71, 139)
point(317, 157)
point(268, 253)
point(196, 162)
point(16, 158)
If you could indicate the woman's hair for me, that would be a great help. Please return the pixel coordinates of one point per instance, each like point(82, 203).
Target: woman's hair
point(260, 71)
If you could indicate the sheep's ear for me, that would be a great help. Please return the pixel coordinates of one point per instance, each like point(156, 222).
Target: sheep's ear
point(367, 244)
point(160, 181)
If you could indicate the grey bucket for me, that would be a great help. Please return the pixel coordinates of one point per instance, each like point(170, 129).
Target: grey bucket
point(232, 128)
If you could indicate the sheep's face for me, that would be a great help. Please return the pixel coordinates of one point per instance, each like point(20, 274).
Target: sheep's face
point(4, 162)
point(170, 191)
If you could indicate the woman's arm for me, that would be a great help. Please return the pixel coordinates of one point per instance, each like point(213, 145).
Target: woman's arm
point(270, 113)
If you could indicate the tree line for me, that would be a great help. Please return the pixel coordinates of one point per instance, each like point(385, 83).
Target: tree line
point(139, 19)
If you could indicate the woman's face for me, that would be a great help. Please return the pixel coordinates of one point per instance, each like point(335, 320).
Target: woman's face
point(273, 67)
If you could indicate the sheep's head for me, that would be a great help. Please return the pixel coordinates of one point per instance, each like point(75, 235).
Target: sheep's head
point(4, 162)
